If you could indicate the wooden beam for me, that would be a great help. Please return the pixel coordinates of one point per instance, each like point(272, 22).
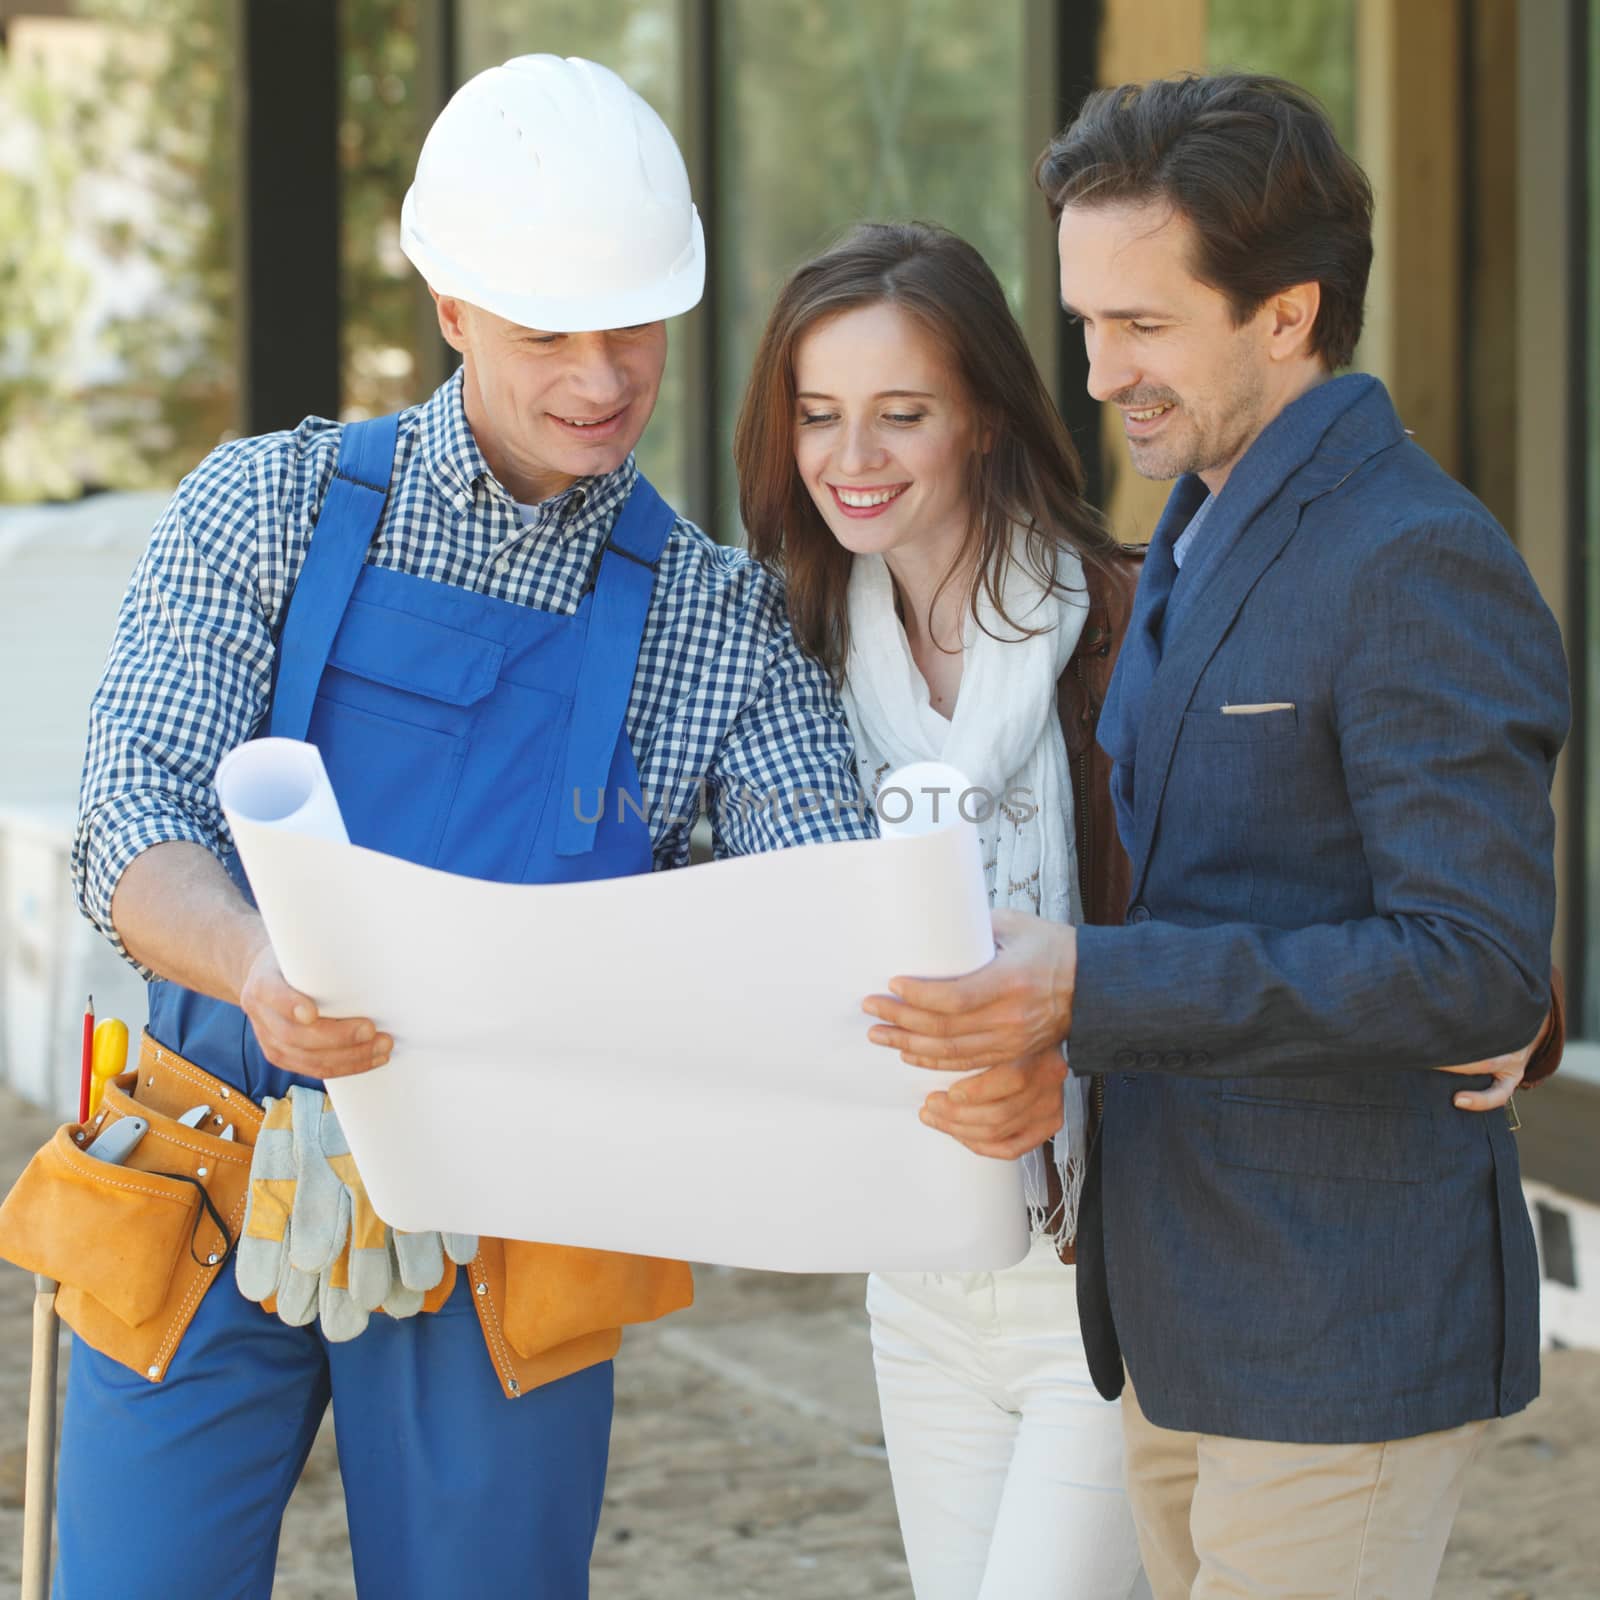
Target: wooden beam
point(1408, 59)
point(1142, 39)
point(1489, 313)
point(1546, 433)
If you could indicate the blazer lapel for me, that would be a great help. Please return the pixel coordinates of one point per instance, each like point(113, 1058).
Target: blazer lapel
point(1255, 549)
point(1309, 450)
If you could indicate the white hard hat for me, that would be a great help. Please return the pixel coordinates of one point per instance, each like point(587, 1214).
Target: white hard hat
point(550, 194)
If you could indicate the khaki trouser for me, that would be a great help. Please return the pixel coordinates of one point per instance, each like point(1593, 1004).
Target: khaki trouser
point(1244, 1519)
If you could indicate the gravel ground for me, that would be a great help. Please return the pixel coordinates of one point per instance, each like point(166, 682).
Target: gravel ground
point(746, 1458)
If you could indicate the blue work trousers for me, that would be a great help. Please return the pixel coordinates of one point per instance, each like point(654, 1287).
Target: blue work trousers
point(175, 1490)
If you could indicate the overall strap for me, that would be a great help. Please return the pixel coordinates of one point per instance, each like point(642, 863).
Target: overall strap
point(338, 551)
point(623, 578)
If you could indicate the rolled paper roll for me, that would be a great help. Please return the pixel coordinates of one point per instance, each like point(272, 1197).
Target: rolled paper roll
point(932, 797)
point(270, 789)
point(281, 782)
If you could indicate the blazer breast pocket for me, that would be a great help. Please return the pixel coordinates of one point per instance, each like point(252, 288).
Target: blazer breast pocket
point(1240, 727)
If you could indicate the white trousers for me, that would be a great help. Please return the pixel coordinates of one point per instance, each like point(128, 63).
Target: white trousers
point(1007, 1465)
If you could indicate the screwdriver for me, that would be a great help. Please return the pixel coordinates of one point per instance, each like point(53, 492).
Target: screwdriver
point(109, 1058)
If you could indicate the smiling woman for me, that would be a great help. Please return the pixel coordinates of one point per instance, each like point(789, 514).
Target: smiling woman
point(891, 457)
point(901, 462)
point(960, 439)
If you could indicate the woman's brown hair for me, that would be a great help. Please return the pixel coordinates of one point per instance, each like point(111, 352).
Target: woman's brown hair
point(1028, 477)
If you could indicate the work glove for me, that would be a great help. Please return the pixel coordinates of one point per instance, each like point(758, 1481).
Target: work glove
point(311, 1237)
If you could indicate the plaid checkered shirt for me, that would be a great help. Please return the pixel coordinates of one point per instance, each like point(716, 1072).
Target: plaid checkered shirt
point(727, 717)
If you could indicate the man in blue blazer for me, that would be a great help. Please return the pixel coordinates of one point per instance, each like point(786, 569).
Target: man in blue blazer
point(1335, 721)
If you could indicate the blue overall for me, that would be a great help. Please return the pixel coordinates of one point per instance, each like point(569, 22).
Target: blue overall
point(455, 728)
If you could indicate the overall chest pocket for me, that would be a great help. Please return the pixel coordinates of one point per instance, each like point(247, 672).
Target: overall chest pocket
point(394, 718)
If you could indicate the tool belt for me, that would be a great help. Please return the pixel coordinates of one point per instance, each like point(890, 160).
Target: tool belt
point(136, 1246)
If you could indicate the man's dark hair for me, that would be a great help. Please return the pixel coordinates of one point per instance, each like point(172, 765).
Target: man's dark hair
point(1254, 165)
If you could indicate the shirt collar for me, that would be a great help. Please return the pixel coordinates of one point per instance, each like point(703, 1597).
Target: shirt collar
point(1180, 545)
point(447, 446)
point(451, 455)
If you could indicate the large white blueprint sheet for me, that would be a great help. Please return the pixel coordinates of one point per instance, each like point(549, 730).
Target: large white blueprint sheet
point(674, 1064)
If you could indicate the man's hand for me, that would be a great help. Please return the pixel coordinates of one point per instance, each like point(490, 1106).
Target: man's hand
point(1017, 1007)
point(293, 1036)
point(1004, 1112)
point(179, 912)
point(1507, 1072)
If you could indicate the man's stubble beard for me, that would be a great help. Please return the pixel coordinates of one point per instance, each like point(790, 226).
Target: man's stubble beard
point(1238, 414)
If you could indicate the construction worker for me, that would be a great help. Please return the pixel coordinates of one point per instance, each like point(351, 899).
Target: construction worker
point(482, 615)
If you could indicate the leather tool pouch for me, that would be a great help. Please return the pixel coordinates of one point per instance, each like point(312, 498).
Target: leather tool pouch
point(554, 1293)
point(136, 1246)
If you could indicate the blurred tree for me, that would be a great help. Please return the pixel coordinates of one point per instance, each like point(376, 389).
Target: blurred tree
point(117, 171)
point(638, 40)
point(830, 112)
point(164, 126)
point(42, 288)
point(379, 136)
point(115, 249)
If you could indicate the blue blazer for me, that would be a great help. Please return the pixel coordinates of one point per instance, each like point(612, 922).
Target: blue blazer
point(1289, 1232)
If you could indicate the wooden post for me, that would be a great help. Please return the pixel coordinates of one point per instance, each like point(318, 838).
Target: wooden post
point(1142, 39)
point(39, 1488)
point(1548, 433)
point(1408, 58)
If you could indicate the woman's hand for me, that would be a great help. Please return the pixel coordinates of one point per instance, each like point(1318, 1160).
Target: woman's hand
point(1005, 1111)
point(1507, 1072)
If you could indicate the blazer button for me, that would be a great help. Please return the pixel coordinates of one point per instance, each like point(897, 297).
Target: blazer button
point(1175, 1061)
point(1138, 912)
point(1124, 1060)
point(1200, 1058)
point(1150, 1061)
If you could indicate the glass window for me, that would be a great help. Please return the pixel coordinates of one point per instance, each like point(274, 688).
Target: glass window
point(829, 111)
point(1312, 43)
point(117, 365)
point(382, 322)
point(637, 39)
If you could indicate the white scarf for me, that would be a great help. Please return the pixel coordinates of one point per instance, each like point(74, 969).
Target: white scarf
point(1005, 735)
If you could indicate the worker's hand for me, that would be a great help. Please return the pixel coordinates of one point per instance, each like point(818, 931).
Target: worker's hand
point(292, 1034)
point(1004, 1112)
point(1017, 1007)
point(1506, 1071)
